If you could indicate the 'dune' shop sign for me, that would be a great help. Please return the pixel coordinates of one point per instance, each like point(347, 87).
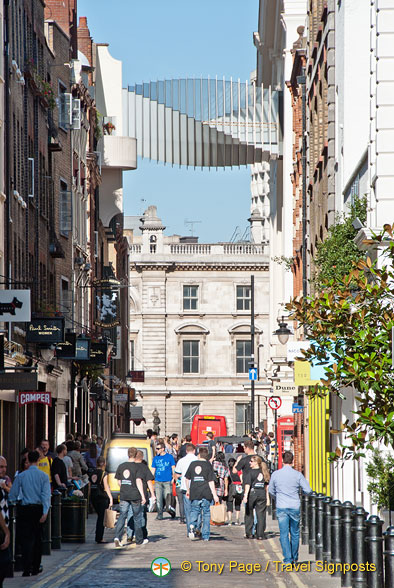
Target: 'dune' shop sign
point(45, 331)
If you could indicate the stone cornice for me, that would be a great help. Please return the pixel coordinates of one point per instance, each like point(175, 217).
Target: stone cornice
point(201, 266)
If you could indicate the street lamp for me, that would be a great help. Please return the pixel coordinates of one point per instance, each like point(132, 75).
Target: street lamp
point(156, 421)
point(283, 332)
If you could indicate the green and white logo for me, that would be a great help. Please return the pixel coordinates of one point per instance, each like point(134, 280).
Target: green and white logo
point(160, 566)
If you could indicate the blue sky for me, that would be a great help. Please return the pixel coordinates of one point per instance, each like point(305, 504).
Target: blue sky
point(158, 39)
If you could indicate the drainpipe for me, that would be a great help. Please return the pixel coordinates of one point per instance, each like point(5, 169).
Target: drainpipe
point(7, 137)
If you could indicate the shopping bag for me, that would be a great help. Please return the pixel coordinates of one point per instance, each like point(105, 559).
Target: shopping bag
point(109, 518)
point(218, 514)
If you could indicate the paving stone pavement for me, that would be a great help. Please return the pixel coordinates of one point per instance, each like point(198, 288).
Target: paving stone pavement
point(93, 566)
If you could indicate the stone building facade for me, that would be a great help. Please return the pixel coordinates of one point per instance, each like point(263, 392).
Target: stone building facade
point(190, 326)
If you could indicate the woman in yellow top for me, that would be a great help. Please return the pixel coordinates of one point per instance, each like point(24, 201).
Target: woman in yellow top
point(44, 463)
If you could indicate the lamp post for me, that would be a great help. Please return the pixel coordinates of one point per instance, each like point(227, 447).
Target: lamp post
point(156, 420)
point(283, 332)
point(252, 331)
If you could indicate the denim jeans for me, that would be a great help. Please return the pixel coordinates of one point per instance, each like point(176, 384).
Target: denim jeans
point(130, 508)
point(201, 507)
point(161, 491)
point(289, 523)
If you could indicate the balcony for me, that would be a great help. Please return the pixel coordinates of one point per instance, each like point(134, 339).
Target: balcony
point(118, 152)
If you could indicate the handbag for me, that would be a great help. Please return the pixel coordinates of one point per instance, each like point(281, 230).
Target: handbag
point(218, 514)
point(109, 518)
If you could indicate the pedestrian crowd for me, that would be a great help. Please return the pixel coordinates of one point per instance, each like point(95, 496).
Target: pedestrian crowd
point(207, 482)
point(40, 473)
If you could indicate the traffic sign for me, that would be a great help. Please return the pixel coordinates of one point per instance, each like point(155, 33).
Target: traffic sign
point(252, 373)
point(296, 408)
point(274, 402)
point(92, 404)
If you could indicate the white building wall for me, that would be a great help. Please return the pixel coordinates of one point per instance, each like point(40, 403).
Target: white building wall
point(159, 324)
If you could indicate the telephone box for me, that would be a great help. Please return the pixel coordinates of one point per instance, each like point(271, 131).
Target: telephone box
point(285, 436)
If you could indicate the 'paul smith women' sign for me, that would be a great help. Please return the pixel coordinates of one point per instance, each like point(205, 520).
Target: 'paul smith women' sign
point(45, 330)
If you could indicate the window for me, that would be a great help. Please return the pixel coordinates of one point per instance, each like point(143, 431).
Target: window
point(65, 209)
point(243, 356)
point(65, 301)
point(191, 357)
point(190, 297)
point(65, 107)
point(241, 419)
point(243, 297)
point(189, 411)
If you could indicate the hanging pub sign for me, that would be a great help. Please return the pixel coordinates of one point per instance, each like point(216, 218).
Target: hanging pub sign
point(15, 306)
point(31, 397)
point(107, 302)
point(45, 331)
point(66, 349)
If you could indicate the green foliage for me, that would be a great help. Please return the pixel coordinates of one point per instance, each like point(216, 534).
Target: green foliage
point(350, 322)
point(288, 262)
point(98, 127)
point(380, 471)
point(336, 255)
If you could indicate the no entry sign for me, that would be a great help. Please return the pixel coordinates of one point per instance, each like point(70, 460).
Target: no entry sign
point(274, 402)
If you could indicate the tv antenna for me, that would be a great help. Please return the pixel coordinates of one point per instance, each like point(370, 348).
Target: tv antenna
point(192, 223)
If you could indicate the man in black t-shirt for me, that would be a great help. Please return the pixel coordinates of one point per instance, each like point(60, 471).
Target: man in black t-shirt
point(58, 469)
point(147, 482)
point(182, 451)
point(132, 498)
point(210, 443)
point(243, 462)
point(200, 480)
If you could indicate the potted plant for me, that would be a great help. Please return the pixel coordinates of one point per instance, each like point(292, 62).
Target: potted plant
point(380, 471)
point(109, 128)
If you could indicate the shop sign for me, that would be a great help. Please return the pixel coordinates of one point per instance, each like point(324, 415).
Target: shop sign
point(137, 375)
point(121, 397)
point(47, 331)
point(35, 398)
point(82, 348)
point(19, 381)
point(15, 306)
point(285, 388)
point(99, 353)
point(66, 349)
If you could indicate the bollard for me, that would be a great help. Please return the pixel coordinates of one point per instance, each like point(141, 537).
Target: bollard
point(56, 518)
point(312, 522)
point(374, 543)
point(12, 527)
point(326, 528)
point(273, 508)
point(346, 542)
point(389, 557)
point(319, 527)
point(336, 547)
point(46, 535)
point(359, 547)
point(304, 519)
